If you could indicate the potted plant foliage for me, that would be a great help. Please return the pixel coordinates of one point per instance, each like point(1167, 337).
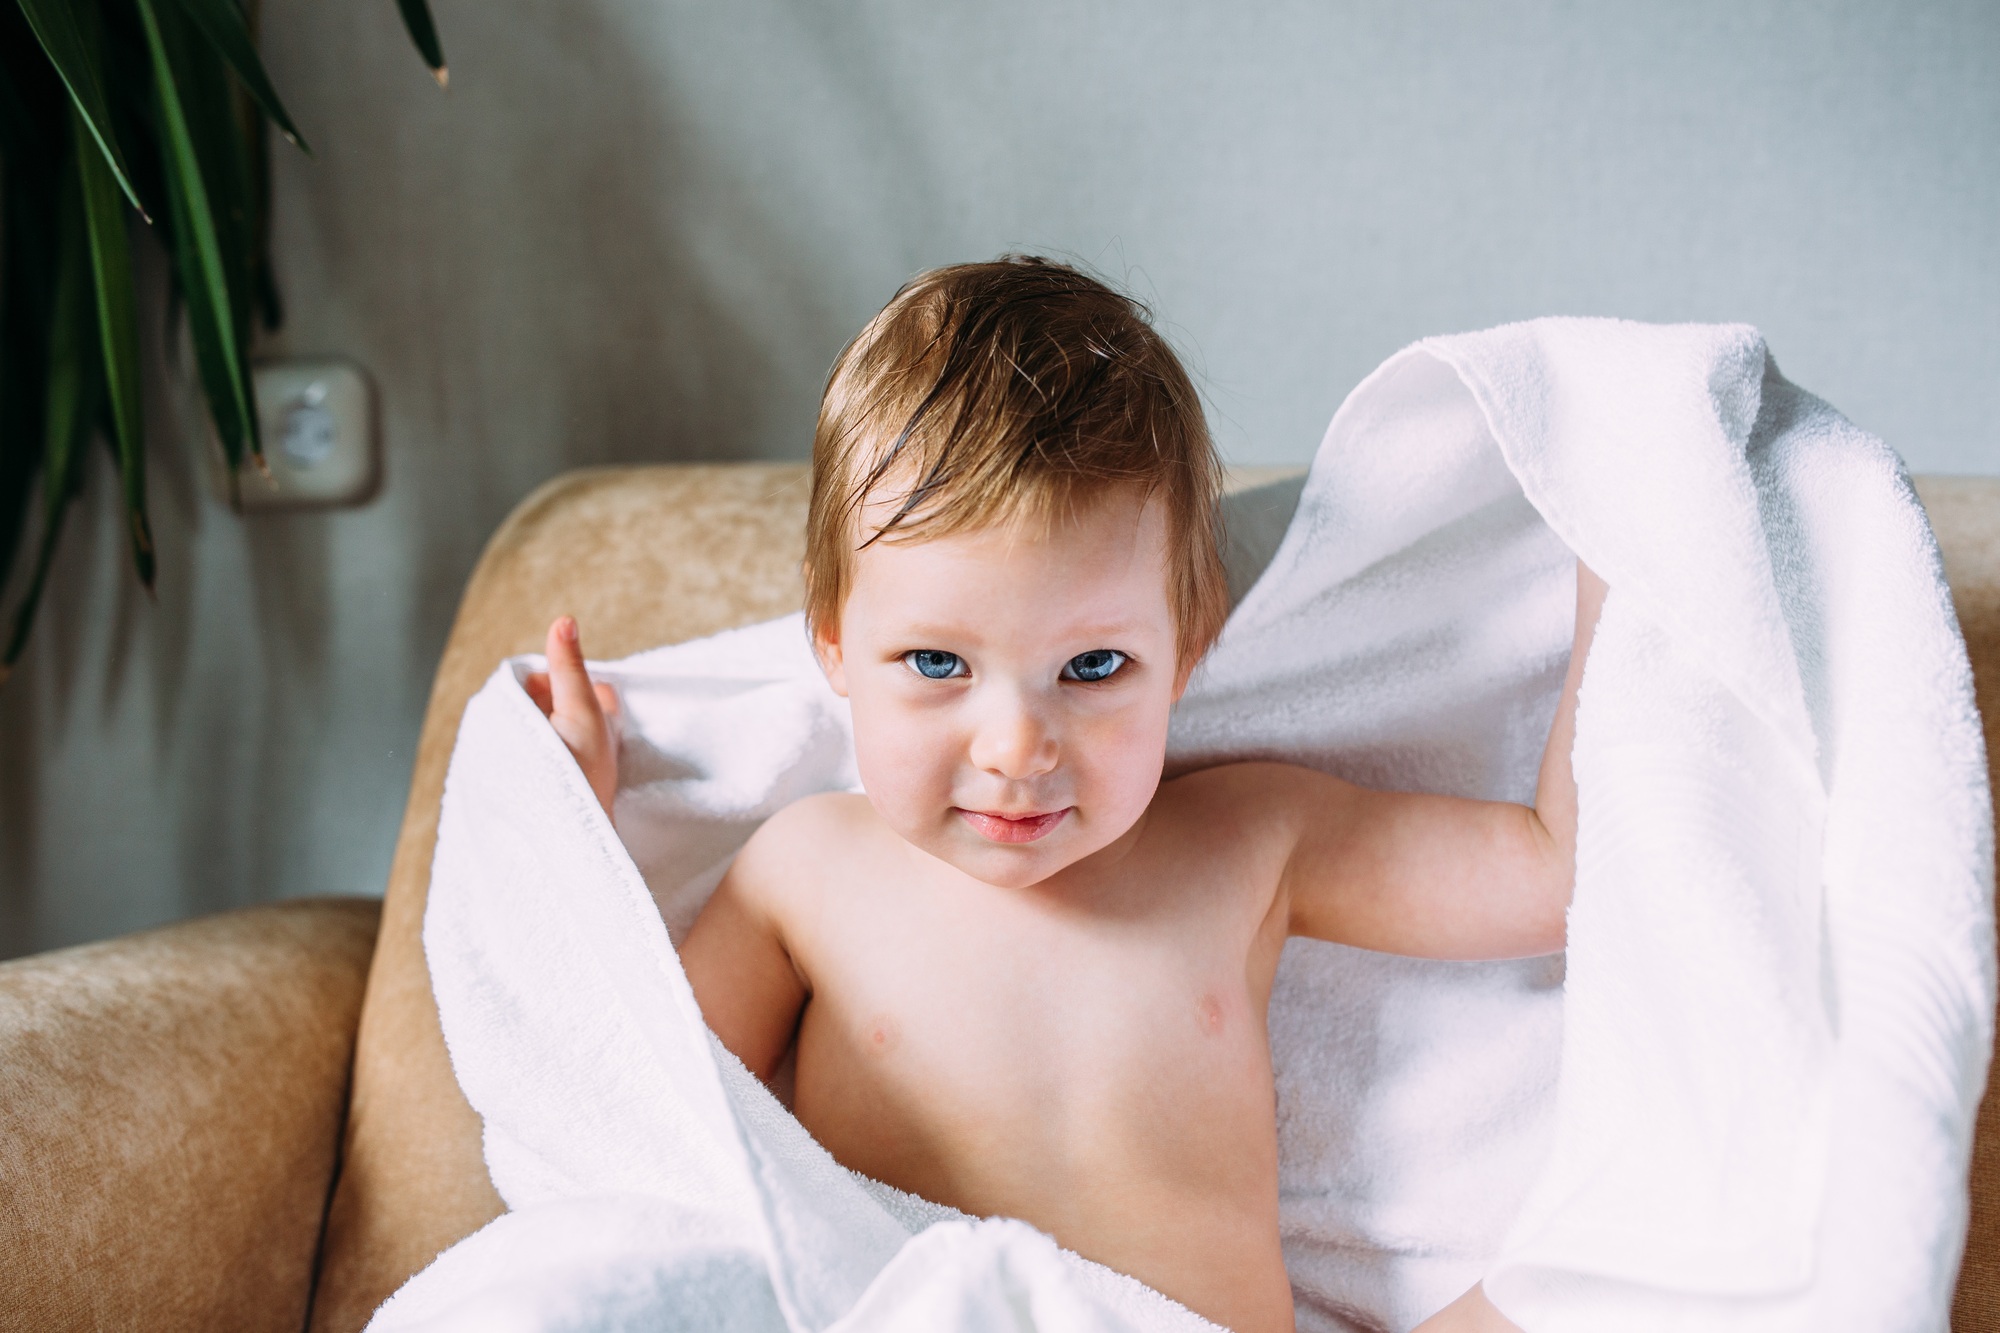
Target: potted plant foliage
point(112, 110)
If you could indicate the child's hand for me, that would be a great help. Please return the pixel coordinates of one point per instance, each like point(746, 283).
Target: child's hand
point(583, 712)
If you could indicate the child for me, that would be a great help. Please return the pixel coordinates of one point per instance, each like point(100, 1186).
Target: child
point(1024, 975)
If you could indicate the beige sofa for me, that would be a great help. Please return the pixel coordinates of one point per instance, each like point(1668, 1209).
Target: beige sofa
point(244, 1123)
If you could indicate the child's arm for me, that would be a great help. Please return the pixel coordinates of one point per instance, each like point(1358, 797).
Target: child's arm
point(1441, 876)
point(735, 958)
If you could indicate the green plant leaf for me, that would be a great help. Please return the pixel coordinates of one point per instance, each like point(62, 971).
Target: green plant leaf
point(118, 336)
point(34, 151)
point(198, 252)
point(70, 399)
point(222, 23)
point(70, 43)
point(270, 306)
point(220, 126)
point(223, 122)
point(423, 32)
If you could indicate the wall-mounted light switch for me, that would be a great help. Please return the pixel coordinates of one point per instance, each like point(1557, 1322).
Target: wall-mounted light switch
point(318, 420)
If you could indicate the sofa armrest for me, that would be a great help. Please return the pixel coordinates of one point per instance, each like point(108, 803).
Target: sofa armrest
point(170, 1110)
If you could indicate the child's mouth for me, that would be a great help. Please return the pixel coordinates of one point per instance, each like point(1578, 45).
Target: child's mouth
point(1006, 828)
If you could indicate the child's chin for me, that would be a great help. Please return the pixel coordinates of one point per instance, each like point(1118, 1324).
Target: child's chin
point(1005, 866)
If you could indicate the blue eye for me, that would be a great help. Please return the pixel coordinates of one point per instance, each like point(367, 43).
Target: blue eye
point(1097, 664)
point(932, 664)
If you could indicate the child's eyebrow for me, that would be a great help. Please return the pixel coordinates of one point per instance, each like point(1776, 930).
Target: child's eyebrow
point(970, 632)
point(933, 629)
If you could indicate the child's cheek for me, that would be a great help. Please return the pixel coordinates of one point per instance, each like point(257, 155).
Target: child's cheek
point(1119, 760)
point(905, 761)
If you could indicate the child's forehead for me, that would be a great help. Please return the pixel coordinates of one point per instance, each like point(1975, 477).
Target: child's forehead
point(1106, 565)
point(895, 512)
point(1121, 543)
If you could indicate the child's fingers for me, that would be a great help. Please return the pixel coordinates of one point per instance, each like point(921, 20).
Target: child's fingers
point(569, 683)
point(607, 699)
point(537, 686)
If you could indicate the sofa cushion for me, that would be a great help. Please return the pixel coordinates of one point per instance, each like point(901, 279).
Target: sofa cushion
point(170, 1103)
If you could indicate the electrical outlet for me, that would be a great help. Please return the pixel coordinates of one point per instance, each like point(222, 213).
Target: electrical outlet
point(318, 420)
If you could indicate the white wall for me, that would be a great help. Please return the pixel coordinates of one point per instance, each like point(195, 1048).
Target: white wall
point(641, 230)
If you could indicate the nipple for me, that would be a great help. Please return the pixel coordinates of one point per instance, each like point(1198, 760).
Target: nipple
point(884, 1035)
point(1209, 1012)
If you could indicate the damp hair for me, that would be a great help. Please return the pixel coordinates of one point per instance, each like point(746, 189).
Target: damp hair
point(1013, 392)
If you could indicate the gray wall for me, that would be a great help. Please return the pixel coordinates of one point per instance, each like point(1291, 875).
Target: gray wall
point(641, 231)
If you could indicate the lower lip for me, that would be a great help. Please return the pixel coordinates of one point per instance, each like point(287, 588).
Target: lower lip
point(999, 828)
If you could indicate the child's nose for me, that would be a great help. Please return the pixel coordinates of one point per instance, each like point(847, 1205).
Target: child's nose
point(1014, 741)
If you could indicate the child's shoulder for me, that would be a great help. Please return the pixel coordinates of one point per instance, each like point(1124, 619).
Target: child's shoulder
point(812, 820)
point(1256, 801)
point(1259, 784)
point(801, 840)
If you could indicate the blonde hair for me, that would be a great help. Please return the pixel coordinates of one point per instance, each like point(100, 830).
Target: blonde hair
point(1015, 390)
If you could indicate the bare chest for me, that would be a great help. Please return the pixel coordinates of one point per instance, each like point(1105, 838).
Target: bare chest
point(1016, 1062)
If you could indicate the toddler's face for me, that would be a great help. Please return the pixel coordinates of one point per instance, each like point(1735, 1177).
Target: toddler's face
point(1011, 689)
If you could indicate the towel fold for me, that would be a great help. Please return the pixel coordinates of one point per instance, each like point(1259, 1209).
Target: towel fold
point(1745, 1098)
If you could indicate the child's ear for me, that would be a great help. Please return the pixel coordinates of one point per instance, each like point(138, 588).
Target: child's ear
point(832, 663)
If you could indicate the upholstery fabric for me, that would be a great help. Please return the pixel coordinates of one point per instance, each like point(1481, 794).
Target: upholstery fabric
point(170, 1103)
point(643, 556)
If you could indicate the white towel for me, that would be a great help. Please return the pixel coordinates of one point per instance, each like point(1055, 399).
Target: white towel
point(1749, 1102)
